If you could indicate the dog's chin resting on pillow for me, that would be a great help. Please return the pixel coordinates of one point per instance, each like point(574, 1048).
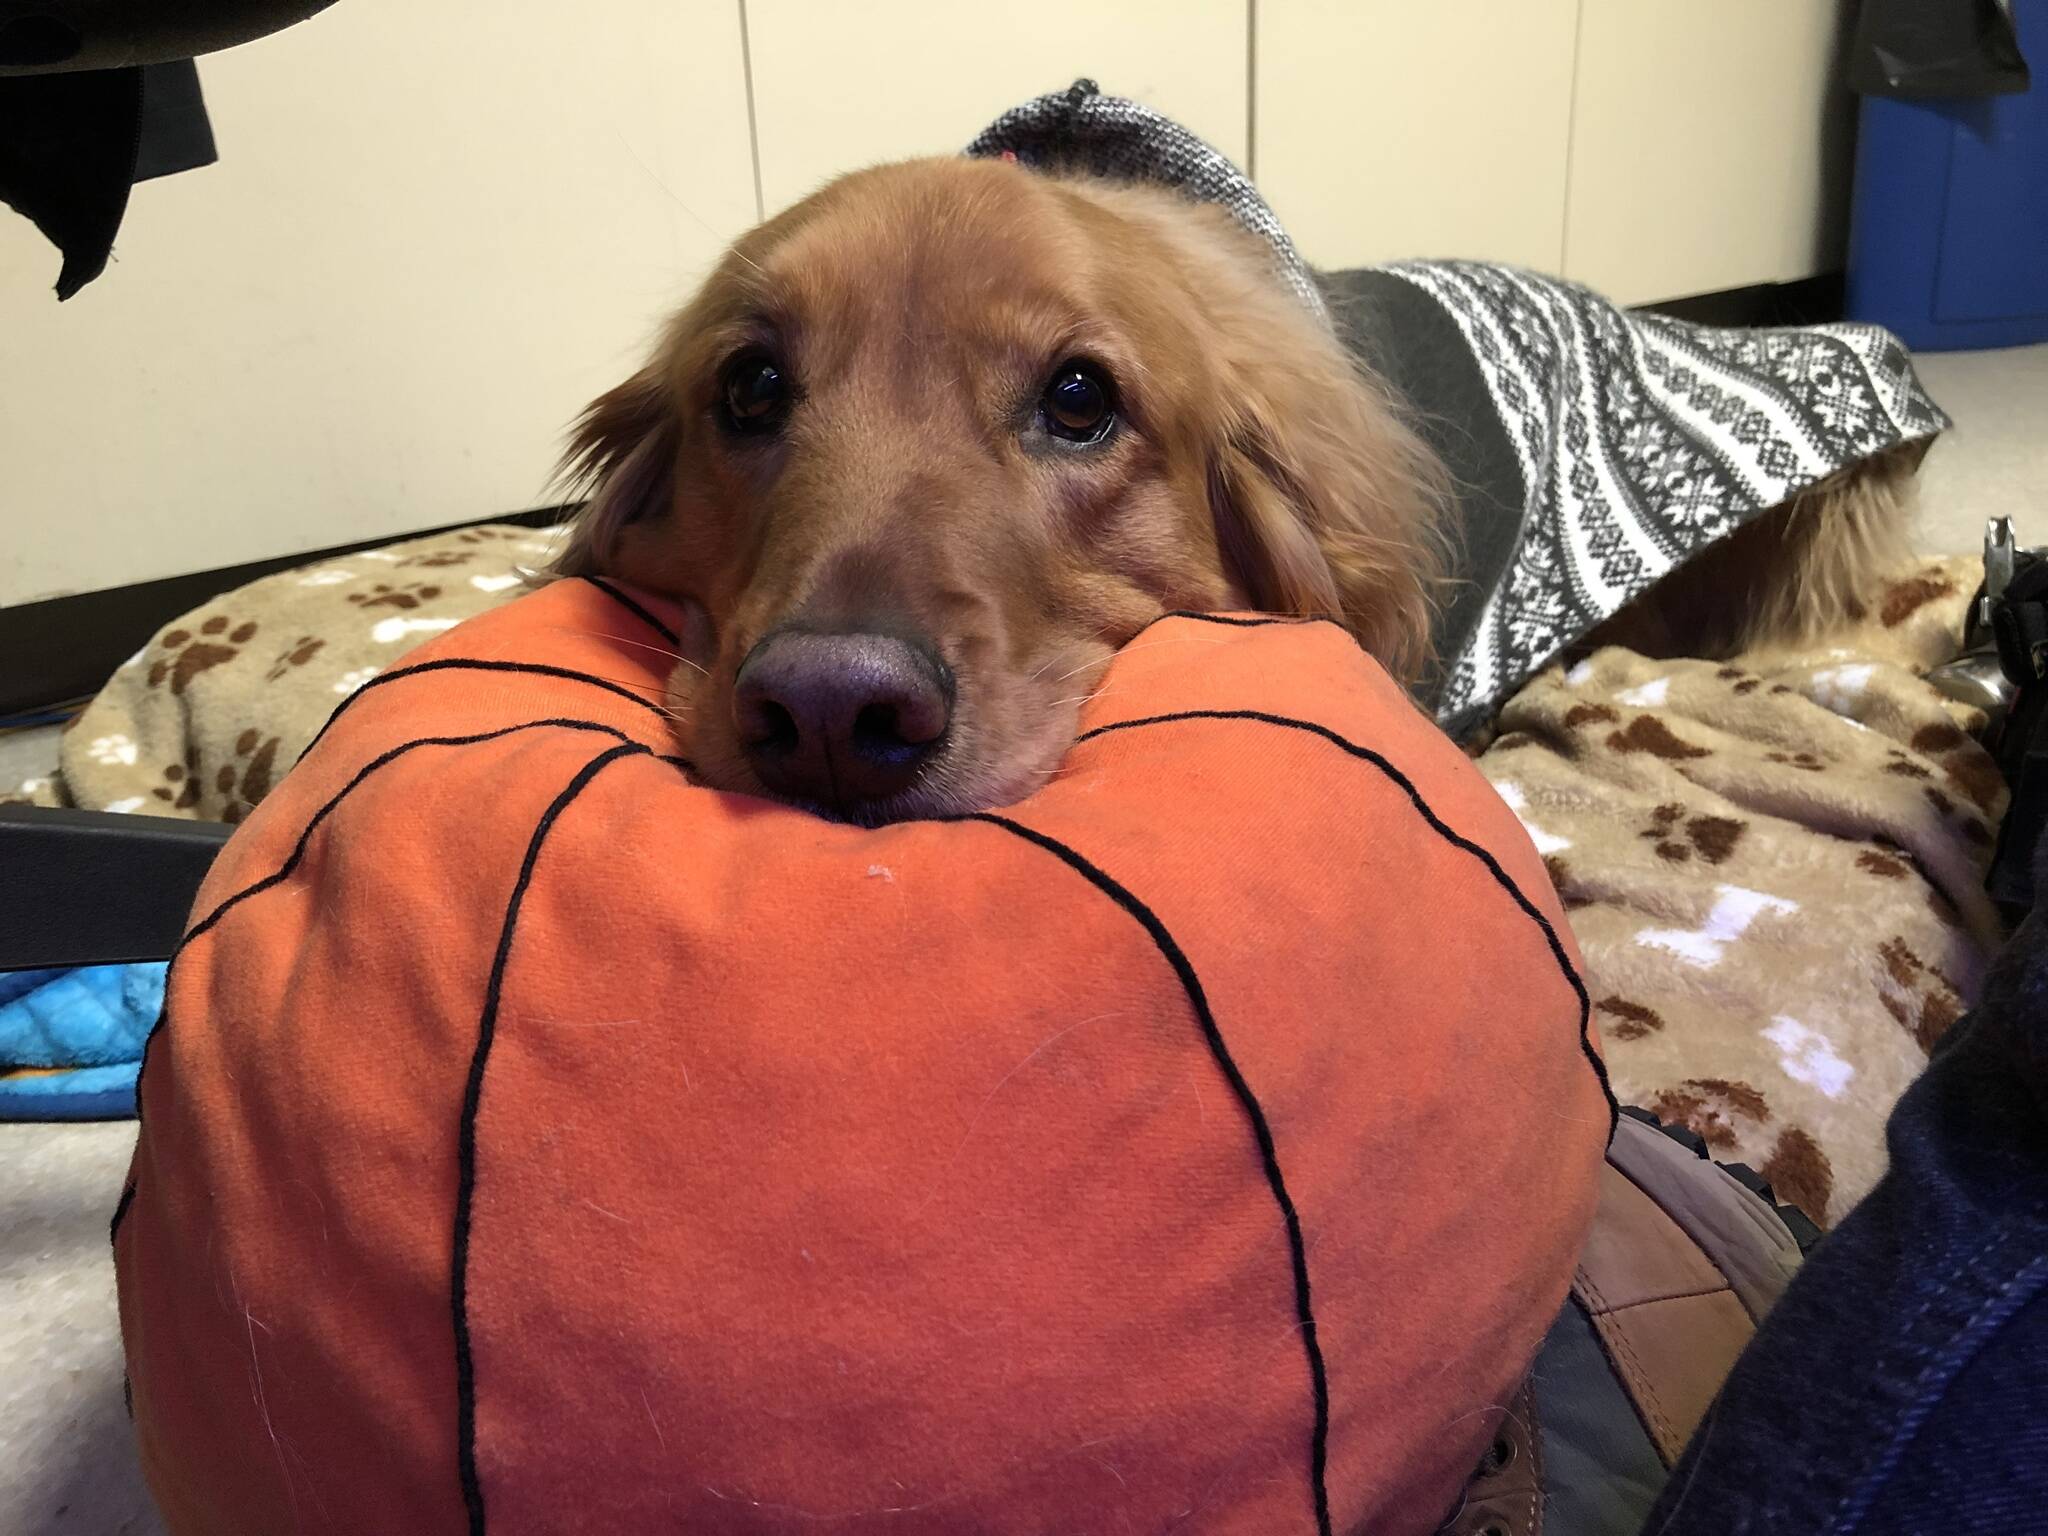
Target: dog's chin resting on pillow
point(926, 449)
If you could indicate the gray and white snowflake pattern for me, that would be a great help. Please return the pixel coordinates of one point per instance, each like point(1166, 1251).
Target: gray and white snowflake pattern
point(1641, 440)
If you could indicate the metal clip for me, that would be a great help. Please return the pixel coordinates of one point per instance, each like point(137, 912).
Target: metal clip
point(1976, 678)
point(2000, 547)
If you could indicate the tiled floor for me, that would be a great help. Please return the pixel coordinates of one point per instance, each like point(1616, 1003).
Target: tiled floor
point(66, 1460)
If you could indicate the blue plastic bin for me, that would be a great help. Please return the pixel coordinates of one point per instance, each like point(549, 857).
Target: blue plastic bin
point(1948, 235)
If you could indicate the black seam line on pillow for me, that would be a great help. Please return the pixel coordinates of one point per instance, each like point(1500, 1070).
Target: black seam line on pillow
point(634, 607)
point(1229, 621)
point(1442, 829)
point(284, 872)
point(128, 1190)
point(1262, 1132)
point(1261, 621)
point(472, 1101)
point(470, 664)
point(1234, 622)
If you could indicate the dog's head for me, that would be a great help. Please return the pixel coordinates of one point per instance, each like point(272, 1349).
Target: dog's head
point(926, 449)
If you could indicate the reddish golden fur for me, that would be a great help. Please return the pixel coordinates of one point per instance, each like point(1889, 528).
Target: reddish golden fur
point(921, 308)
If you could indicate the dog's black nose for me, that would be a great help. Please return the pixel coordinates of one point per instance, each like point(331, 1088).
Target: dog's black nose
point(840, 719)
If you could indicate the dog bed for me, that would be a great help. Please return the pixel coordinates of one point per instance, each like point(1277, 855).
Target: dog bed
point(1776, 868)
point(1062, 1160)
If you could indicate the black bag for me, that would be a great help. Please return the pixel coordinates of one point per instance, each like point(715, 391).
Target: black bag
point(2008, 622)
point(1922, 49)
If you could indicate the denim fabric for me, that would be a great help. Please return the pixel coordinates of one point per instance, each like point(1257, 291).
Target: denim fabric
point(1900, 1387)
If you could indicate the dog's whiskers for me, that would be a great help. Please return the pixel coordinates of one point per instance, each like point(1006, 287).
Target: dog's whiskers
point(636, 684)
point(1097, 636)
point(1078, 670)
point(659, 650)
point(1136, 646)
point(1082, 699)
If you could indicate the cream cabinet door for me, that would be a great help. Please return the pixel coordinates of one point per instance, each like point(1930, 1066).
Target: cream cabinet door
point(1386, 129)
point(1707, 144)
point(839, 85)
point(430, 239)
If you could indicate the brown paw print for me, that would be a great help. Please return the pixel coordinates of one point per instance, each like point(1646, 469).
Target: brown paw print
point(245, 781)
point(487, 535)
point(303, 650)
point(1625, 1020)
point(411, 595)
point(180, 787)
point(1712, 1108)
point(1722, 1113)
point(1801, 760)
point(187, 654)
point(1969, 824)
point(434, 559)
point(1646, 733)
point(1904, 599)
point(1919, 997)
point(1713, 838)
point(1966, 765)
point(1800, 1173)
point(1589, 714)
point(1567, 887)
point(1897, 762)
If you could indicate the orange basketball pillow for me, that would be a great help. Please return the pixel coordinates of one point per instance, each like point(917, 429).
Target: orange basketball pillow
point(535, 1142)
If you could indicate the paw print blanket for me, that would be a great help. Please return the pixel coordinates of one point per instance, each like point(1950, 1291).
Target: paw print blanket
point(209, 715)
point(1775, 870)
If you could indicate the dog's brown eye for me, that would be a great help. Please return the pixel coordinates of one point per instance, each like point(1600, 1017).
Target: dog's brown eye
point(755, 394)
point(1079, 405)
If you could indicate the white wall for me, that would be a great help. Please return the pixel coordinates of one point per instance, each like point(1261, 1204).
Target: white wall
point(842, 85)
point(435, 230)
point(438, 228)
point(1699, 149)
point(1388, 129)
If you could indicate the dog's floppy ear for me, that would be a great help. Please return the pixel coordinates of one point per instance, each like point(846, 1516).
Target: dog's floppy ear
point(622, 456)
point(1327, 504)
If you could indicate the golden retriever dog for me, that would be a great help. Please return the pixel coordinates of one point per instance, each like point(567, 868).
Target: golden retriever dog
point(926, 449)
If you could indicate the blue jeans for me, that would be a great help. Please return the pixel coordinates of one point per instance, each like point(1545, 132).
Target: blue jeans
point(1900, 1386)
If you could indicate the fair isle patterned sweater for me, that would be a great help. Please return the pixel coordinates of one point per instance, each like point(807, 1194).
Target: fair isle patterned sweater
point(1596, 448)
